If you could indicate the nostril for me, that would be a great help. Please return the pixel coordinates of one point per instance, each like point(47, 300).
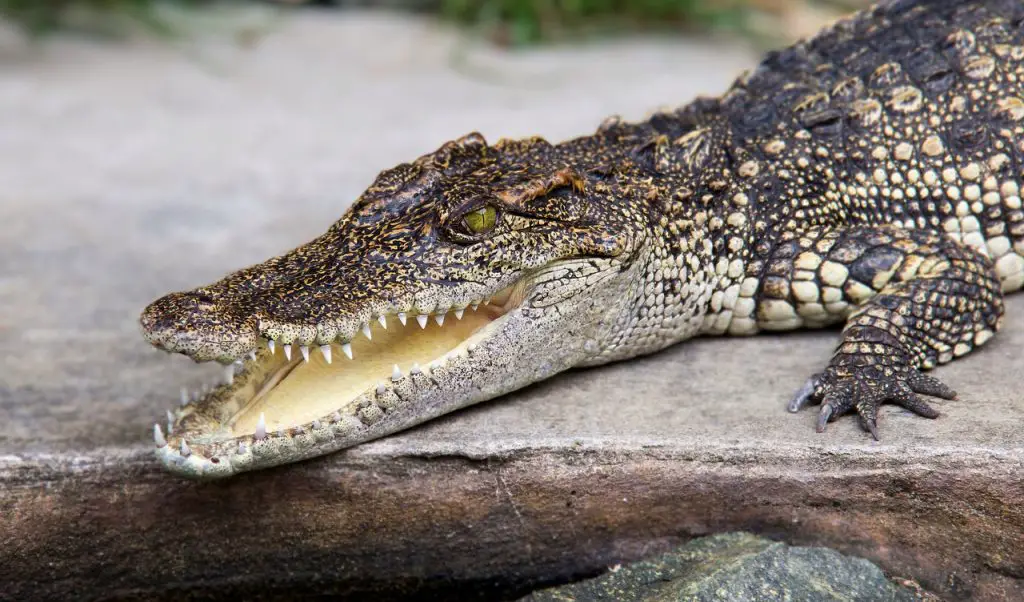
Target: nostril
point(171, 311)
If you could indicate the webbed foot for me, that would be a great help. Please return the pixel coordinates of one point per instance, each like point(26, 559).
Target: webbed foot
point(845, 387)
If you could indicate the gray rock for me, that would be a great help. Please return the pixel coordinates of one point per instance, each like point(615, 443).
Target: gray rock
point(130, 171)
point(736, 567)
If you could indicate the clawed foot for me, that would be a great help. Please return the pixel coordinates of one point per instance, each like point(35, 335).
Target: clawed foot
point(840, 389)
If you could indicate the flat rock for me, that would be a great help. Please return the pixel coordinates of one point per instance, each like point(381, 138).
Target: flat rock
point(132, 170)
point(736, 567)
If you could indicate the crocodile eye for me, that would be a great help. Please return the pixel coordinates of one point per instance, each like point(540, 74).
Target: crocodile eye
point(482, 220)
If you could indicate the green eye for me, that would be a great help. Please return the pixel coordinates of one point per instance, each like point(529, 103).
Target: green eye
point(482, 220)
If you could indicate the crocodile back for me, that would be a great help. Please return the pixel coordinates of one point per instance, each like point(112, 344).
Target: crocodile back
point(909, 113)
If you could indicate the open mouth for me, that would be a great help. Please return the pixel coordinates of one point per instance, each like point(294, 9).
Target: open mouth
point(291, 395)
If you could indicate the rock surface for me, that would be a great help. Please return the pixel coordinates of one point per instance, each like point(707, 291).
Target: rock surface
point(736, 567)
point(130, 172)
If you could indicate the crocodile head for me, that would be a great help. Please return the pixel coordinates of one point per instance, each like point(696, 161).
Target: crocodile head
point(470, 272)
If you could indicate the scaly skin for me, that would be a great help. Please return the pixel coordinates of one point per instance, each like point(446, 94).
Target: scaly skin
point(869, 176)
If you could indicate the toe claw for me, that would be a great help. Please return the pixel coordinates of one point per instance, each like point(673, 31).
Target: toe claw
point(867, 412)
point(823, 417)
point(871, 426)
point(805, 394)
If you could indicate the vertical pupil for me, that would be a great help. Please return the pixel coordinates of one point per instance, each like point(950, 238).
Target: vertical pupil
point(481, 219)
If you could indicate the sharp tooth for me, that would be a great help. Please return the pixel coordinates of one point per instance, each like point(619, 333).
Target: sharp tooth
point(229, 375)
point(316, 425)
point(415, 369)
point(396, 374)
point(184, 396)
point(252, 355)
point(261, 428)
point(347, 349)
point(381, 388)
point(439, 318)
point(401, 317)
point(336, 417)
point(422, 319)
point(271, 345)
point(434, 365)
point(158, 436)
point(326, 350)
point(305, 352)
point(471, 347)
point(366, 331)
point(288, 352)
point(185, 451)
point(383, 321)
point(170, 422)
point(458, 313)
point(241, 447)
point(475, 306)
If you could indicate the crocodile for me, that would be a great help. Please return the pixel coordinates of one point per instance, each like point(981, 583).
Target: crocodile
point(868, 176)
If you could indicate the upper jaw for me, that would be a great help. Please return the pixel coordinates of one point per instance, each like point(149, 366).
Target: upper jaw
point(174, 324)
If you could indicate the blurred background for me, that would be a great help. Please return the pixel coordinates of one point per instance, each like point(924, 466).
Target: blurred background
point(505, 22)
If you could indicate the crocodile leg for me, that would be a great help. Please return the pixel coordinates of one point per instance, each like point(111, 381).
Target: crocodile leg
point(912, 299)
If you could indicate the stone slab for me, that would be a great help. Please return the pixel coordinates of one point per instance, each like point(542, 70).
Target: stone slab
point(129, 171)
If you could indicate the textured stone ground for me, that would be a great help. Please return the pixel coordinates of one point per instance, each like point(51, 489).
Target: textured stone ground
point(129, 172)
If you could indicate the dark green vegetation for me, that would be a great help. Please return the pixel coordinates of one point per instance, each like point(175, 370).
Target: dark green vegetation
point(96, 16)
point(525, 21)
point(510, 22)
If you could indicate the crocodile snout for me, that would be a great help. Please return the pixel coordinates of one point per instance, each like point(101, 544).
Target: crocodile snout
point(196, 324)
